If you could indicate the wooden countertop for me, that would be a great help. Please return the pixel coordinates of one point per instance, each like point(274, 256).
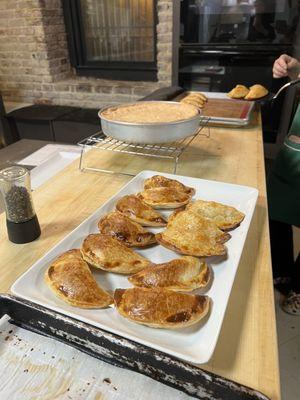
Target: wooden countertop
point(247, 347)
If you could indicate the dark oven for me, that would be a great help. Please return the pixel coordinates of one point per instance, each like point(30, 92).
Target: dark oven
point(229, 42)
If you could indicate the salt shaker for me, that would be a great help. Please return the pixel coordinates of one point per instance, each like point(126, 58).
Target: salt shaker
point(21, 220)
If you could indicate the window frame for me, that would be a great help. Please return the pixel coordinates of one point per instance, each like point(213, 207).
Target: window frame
point(119, 70)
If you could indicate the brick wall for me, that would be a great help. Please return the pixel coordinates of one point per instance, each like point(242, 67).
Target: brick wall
point(34, 59)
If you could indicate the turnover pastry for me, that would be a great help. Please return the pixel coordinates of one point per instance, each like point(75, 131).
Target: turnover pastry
point(134, 208)
point(256, 92)
point(239, 92)
point(193, 101)
point(196, 99)
point(190, 234)
point(225, 217)
point(70, 278)
point(161, 308)
point(125, 230)
point(164, 197)
point(105, 252)
point(161, 181)
point(182, 274)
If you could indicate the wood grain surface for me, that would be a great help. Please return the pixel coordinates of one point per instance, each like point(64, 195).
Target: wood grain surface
point(247, 347)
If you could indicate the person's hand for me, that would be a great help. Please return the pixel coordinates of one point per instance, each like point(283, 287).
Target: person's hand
point(283, 65)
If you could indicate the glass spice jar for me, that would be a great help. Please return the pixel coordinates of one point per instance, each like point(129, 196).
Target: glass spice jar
point(21, 220)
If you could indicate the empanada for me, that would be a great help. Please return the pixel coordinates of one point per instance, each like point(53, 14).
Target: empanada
point(225, 217)
point(196, 95)
point(256, 92)
point(105, 252)
point(134, 208)
point(183, 274)
point(161, 308)
point(70, 278)
point(199, 95)
point(164, 197)
point(125, 230)
point(161, 181)
point(189, 233)
point(193, 101)
point(239, 92)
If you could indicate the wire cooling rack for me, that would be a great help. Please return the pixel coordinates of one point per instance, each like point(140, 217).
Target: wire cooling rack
point(171, 151)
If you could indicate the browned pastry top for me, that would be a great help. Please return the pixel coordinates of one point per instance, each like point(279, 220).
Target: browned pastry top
point(182, 274)
point(70, 278)
point(105, 252)
point(225, 217)
point(161, 308)
point(238, 92)
point(161, 181)
point(134, 208)
point(125, 230)
point(164, 197)
point(150, 112)
point(256, 92)
point(189, 233)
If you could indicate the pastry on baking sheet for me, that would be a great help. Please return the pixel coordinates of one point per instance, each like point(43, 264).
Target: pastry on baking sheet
point(225, 217)
point(161, 308)
point(70, 278)
point(199, 95)
point(193, 101)
point(105, 252)
point(256, 92)
point(182, 274)
point(196, 99)
point(239, 92)
point(134, 208)
point(125, 230)
point(196, 95)
point(161, 181)
point(190, 234)
point(164, 197)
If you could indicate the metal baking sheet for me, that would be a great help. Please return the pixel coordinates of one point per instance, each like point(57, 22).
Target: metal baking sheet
point(243, 119)
point(124, 353)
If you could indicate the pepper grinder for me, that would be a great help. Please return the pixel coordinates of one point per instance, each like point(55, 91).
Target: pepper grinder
point(21, 220)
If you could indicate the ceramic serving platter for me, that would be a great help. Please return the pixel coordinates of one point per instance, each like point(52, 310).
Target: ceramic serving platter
point(194, 344)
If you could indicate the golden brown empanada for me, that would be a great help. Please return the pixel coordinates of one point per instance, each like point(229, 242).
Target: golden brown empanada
point(161, 308)
point(239, 92)
point(134, 208)
point(70, 278)
point(256, 92)
point(125, 230)
point(105, 252)
point(189, 233)
point(183, 274)
point(199, 95)
point(164, 197)
point(196, 95)
point(157, 181)
point(225, 217)
point(193, 101)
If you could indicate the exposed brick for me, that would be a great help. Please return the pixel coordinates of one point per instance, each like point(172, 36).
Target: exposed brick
point(123, 89)
point(34, 58)
point(103, 89)
point(83, 88)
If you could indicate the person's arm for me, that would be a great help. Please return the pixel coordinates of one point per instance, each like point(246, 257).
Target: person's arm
point(286, 66)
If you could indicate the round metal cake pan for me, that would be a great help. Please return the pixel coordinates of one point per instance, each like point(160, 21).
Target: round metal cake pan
point(149, 133)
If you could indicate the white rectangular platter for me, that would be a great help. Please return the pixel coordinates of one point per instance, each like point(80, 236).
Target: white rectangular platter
point(194, 344)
